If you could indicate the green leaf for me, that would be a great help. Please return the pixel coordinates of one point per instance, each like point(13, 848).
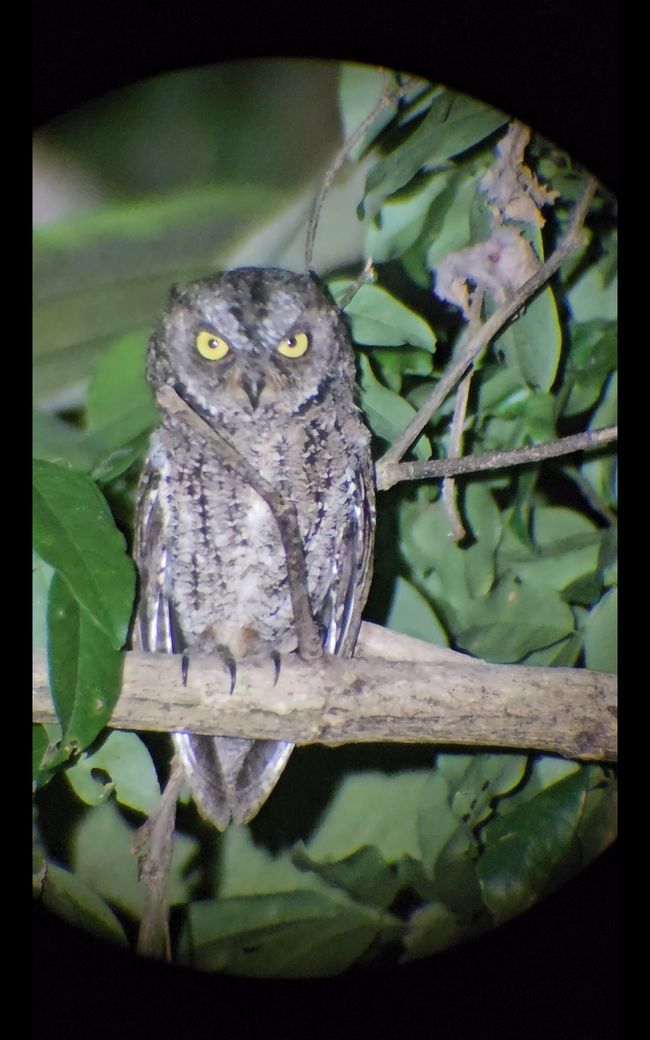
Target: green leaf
point(120, 404)
point(374, 809)
point(566, 548)
point(533, 342)
point(412, 614)
point(85, 670)
point(57, 441)
point(448, 226)
point(517, 617)
point(401, 219)
point(122, 764)
point(433, 928)
point(299, 934)
point(380, 320)
point(534, 848)
point(601, 634)
point(592, 356)
point(364, 875)
point(69, 897)
point(40, 742)
point(453, 124)
point(75, 533)
point(386, 412)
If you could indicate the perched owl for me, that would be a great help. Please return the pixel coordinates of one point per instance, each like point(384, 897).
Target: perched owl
point(263, 356)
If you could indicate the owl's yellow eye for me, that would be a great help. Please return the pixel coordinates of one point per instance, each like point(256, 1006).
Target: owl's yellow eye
point(211, 347)
point(294, 346)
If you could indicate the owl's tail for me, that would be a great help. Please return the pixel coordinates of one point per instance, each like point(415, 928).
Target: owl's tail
point(231, 777)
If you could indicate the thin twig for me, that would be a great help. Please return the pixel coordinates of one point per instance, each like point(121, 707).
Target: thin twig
point(283, 511)
point(387, 98)
point(154, 846)
point(476, 342)
point(497, 459)
point(454, 452)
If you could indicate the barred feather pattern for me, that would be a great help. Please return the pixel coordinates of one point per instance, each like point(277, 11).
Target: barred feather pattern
point(210, 560)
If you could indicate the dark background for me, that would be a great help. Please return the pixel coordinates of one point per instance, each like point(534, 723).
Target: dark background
point(550, 972)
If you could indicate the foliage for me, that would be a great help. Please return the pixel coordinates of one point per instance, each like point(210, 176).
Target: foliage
point(391, 850)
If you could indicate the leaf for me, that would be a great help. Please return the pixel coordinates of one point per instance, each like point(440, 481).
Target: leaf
point(601, 634)
point(75, 533)
point(85, 670)
point(453, 124)
point(374, 809)
point(533, 341)
point(514, 619)
point(592, 356)
point(73, 900)
point(532, 849)
point(386, 412)
point(411, 614)
point(40, 744)
point(122, 764)
point(566, 548)
point(120, 405)
point(433, 928)
point(300, 934)
point(380, 320)
point(402, 217)
point(57, 441)
point(364, 875)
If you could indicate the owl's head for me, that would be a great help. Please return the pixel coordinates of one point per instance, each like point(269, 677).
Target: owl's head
point(249, 340)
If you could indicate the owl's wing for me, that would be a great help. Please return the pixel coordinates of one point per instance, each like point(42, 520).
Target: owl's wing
point(351, 566)
point(230, 778)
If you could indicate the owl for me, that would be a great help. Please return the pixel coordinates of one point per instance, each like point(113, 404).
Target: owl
point(263, 356)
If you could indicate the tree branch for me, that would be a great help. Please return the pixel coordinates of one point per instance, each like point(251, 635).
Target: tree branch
point(473, 343)
point(398, 471)
point(414, 692)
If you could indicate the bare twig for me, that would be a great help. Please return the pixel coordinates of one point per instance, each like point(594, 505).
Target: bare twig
point(154, 845)
point(498, 459)
point(387, 98)
point(473, 344)
point(448, 700)
point(284, 514)
point(455, 449)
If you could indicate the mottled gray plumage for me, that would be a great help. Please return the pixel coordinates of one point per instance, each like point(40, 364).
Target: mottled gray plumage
point(278, 383)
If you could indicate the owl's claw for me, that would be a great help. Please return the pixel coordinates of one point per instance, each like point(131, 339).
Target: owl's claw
point(226, 657)
point(230, 663)
point(275, 657)
point(185, 666)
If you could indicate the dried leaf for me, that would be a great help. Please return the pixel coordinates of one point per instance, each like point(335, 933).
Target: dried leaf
point(512, 186)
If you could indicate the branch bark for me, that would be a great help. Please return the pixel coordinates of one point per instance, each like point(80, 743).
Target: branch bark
point(453, 466)
point(412, 693)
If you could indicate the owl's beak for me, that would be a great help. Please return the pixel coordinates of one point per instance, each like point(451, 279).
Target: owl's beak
point(252, 385)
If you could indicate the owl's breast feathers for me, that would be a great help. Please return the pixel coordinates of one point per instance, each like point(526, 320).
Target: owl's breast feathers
point(225, 571)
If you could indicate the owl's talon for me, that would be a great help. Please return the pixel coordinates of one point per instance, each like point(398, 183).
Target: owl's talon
point(185, 666)
point(275, 657)
point(230, 663)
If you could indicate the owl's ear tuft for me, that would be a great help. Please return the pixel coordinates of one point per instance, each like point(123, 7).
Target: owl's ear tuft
point(177, 294)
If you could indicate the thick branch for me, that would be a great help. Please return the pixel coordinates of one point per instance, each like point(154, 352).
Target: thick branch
point(395, 472)
point(432, 696)
point(476, 341)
